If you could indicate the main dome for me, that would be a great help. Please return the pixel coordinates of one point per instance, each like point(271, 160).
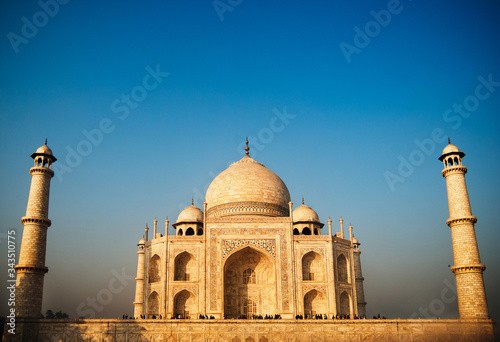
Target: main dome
point(247, 187)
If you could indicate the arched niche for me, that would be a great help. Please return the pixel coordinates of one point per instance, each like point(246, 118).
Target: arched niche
point(249, 283)
point(313, 267)
point(314, 303)
point(185, 267)
point(154, 269)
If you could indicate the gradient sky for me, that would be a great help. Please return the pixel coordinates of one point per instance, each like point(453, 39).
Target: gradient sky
point(352, 120)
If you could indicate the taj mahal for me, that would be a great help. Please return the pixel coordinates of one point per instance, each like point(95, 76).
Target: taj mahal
point(248, 253)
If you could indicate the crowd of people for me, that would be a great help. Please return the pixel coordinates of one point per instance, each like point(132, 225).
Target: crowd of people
point(276, 316)
point(203, 316)
point(324, 316)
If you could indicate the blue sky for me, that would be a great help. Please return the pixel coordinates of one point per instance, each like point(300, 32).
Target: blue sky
point(332, 125)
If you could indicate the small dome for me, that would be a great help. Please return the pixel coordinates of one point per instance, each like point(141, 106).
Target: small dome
point(355, 241)
point(44, 149)
point(305, 214)
point(450, 149)
point(142, 241)
point(190, 214)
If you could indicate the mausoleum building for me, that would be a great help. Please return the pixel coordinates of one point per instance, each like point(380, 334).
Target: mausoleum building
point(248, 252)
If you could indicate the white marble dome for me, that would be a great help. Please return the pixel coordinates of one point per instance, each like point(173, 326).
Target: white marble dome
point(247, 187)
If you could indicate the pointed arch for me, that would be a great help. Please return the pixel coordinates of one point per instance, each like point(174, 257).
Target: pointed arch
point(313, 267)
point(249, 281)
point(189, 231)
point(154, 269)
point(153, 305)
point(314, 303)
point(342, 269)
point(185, 267)
point(344, 304)
point(295, 231)
point(306, 231)
point(200, 231)
point(185, 305)
point(179, 232)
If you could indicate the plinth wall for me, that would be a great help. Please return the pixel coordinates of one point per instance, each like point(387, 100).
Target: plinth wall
point(97, 330)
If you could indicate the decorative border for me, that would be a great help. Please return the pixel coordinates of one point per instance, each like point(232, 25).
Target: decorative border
point(307, 288)
point(304, 251)
point(466, 219)
point(468, 269)
point(454, 169)
point(174, 253)
point(42, 170)
point(268, 245)
point(45, 222)
point(248, 208)
point(31, 269)
point(192, 289)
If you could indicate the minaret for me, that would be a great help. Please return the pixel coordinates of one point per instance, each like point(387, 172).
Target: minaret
point(358, 274)
point(468, 268)
point(139, 281)
point(31, 268)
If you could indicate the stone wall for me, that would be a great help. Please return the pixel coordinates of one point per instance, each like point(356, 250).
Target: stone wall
point(254, 330)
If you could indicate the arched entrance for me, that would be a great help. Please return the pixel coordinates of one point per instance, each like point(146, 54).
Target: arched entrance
point(313, 267)
point(345, 307)
point(185, 267)
point(154, 305)
point(249, 284)
point(185, 305)
point(314, 303)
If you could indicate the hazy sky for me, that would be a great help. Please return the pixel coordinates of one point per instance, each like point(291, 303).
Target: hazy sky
point(350, 103)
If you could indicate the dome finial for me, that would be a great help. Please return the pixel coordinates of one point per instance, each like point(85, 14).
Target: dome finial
point(449, 142)
point(45, 141)
point(192, 200)
point(247, 149)
point(302, 200)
